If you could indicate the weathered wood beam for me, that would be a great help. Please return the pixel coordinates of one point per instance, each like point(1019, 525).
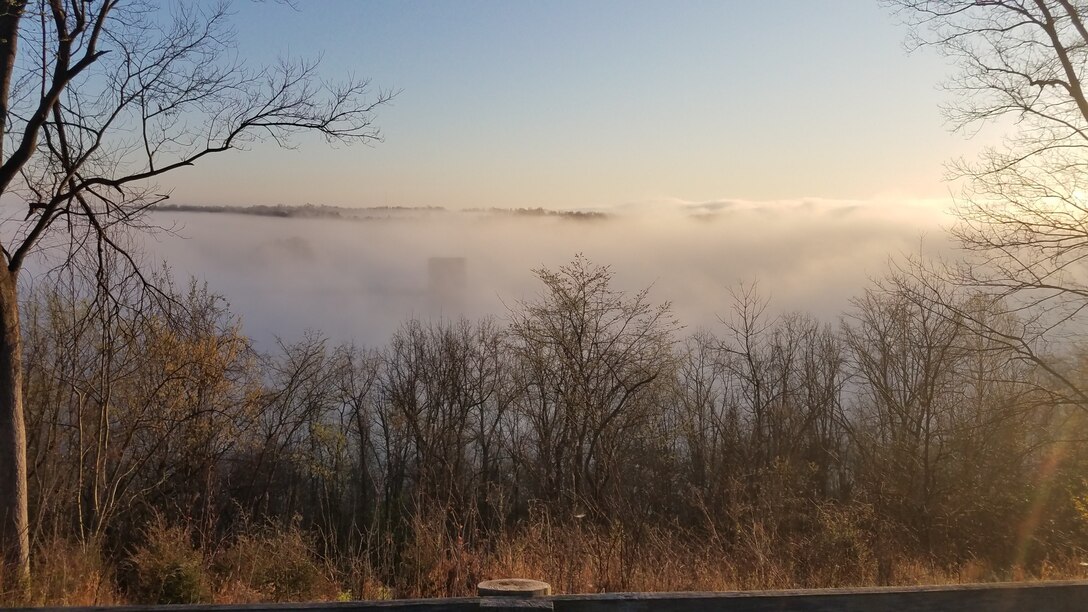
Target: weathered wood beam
point(1065, 596)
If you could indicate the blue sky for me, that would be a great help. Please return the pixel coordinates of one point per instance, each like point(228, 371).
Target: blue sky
point(602, 104)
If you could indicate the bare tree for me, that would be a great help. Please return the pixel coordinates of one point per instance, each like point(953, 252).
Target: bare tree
point(588, 357)
point(357, 388)
point(98, 99)
point(905, 358)
point(945, 421)
point(783, 378)
point(1023, 213)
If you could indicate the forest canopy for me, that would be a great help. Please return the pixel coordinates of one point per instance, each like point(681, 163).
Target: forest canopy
point(583, 438)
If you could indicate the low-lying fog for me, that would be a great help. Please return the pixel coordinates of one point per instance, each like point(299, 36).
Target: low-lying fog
point(359, 279)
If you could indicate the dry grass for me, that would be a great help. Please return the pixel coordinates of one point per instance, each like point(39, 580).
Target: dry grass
point(70, 574)
point(574, 557)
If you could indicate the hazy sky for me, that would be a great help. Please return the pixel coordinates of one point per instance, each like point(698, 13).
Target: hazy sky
point(598, 104)
point(793, 142)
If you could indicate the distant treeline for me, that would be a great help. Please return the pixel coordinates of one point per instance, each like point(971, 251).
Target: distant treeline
point(586, 439)
point(311, 211)
point(577, 215)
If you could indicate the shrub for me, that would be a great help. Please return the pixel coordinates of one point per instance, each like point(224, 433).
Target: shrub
point(68, 573)
point(273, 565)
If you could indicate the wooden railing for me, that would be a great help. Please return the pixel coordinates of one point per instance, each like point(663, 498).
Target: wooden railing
point(1069, 596)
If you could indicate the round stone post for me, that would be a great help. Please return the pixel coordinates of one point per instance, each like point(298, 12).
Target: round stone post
point(513, 587)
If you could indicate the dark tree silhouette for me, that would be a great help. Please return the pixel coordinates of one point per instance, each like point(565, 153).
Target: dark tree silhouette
point(97, 100)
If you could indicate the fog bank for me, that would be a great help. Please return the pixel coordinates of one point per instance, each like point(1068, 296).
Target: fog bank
point(358, 279)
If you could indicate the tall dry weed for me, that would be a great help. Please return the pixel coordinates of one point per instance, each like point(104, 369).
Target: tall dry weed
point(272, 564)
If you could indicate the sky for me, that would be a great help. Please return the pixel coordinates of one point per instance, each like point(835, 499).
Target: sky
point(795, 144)
point(603, 104)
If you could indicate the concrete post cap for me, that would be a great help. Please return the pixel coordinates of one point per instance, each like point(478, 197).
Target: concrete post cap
point(513, 587)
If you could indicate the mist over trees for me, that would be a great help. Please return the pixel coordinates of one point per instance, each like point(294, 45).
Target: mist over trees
point(934, 431)
point(807, 452)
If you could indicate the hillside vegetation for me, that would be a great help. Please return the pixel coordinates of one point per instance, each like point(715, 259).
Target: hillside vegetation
point(586, 440)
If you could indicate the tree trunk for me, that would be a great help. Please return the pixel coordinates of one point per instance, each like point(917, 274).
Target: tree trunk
point(11, 12)
point(14, 525)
